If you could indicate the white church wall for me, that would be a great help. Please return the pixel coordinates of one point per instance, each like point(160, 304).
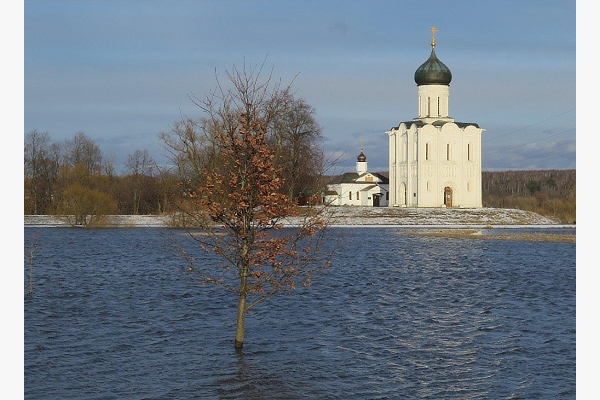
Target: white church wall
point(392, 165)
point(428, 165)
point(472, 167)
point(354, 194)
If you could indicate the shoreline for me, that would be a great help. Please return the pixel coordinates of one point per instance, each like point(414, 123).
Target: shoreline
point(344, 216)
point(339, 217)
point(490, 224)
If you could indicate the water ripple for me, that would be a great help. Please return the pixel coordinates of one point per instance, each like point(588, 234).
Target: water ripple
point(113, 316)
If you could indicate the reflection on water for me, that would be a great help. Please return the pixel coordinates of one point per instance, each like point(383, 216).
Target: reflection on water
point(113, 315)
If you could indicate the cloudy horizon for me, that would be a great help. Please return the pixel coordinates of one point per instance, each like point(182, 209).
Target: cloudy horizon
point(122, 71)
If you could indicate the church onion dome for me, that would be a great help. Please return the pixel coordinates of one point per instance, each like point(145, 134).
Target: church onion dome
point(433, 72)
point(361, 157)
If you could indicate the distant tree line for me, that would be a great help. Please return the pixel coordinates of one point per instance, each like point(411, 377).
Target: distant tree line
point(547, 192)
point(75, 179)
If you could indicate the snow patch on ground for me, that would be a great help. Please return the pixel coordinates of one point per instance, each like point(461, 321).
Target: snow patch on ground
point(435, 216)
point(124, 221)
point(357, 216)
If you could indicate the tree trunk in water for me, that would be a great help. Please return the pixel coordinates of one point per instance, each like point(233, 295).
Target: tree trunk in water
point(239, 330)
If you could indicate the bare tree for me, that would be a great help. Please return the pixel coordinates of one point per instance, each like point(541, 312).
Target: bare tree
point(83, 150)
point(141, 163)
point(295, 133)
point(141, 166)
point(42, 160)
point(239, 202)
point(108, 166)
point(189, 146)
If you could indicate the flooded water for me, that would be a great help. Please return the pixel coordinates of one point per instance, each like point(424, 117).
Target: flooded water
point(113, 315)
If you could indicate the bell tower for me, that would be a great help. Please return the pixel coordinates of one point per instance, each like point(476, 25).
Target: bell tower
point(361, 161)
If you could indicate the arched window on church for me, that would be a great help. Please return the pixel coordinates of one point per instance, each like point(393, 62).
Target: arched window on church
point(357, 196)
point(349, 195)
point(447, 151)
point(427, 151)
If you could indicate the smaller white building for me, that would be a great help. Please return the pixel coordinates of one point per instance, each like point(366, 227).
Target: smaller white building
point(360, 188)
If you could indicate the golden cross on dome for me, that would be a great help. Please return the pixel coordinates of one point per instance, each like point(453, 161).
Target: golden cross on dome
point(361, 145)
point(433, 31)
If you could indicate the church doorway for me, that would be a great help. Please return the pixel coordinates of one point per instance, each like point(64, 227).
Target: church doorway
point(448, 196)
point(376, 198)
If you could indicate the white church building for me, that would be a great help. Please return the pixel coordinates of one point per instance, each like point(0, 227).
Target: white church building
point(360, 188)
point(434, 161)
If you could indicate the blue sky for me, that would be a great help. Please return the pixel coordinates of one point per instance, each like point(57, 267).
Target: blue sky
point(121, 71)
